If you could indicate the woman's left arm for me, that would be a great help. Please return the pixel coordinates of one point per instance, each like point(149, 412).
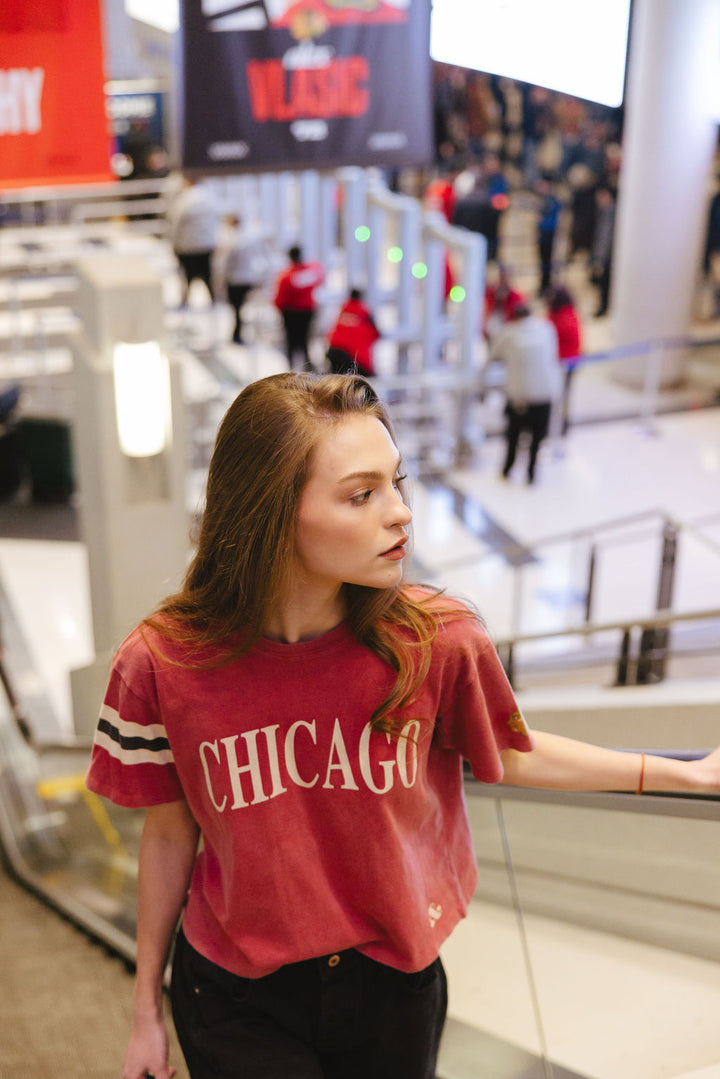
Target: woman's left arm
point(561, 763)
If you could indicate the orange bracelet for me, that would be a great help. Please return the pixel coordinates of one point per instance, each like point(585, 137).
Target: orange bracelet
point(642, 774)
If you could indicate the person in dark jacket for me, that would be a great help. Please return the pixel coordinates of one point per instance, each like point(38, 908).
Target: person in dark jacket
point(549, 207)
point(602, 251)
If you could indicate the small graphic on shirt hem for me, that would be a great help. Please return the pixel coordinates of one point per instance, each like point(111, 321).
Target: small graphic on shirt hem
point(517, 724)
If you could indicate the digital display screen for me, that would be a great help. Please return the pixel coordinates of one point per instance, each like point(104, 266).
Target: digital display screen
point(576, 47)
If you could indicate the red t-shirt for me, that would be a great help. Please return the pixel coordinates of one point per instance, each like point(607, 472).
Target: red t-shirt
point(507, 306)
point(318, 834)
point(296, 286)
point(440, 195)
point(566, 322)
point(355, 333)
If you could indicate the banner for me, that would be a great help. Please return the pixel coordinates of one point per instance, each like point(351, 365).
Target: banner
point(292, 84)
point(53, 127)
point(137, 123)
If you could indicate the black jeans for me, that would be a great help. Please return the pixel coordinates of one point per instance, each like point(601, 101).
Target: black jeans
point(237, 295)
point(532, 418)
point(336, 1017)
point(342, 363)
point(297, 332)
point(196, 266)
point(546, 243)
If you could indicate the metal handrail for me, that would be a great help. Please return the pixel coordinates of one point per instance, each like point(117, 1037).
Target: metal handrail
point(592, 531)
point(660, 619)
point(647, 667)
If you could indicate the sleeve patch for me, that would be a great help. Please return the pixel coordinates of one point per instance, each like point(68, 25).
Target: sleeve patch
point(517, 724)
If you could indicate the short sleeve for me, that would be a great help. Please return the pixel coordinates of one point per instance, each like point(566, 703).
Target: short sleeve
point(132, 761)
point(479, 716)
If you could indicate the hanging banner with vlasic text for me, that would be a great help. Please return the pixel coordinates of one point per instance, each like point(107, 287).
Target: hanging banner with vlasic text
point(292, 84)
point(53, 126)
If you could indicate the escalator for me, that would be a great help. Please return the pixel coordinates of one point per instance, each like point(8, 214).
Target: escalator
point(571, 886)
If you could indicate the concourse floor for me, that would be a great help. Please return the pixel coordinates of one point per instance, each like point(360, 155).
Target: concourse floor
point(65, 1003)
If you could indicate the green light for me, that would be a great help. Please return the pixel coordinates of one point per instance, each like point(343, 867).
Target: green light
point(457, 294)
point(362, 234)
point(419, 270)
point(395, 254)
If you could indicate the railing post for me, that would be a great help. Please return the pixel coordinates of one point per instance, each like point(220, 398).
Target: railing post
point(654, 641)
point(509, 664)
point(590, 584)
point(623, 667)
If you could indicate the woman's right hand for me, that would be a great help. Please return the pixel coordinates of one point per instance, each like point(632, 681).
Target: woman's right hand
point(147, 1052)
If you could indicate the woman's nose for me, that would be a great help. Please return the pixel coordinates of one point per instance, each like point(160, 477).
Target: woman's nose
point(402, 512)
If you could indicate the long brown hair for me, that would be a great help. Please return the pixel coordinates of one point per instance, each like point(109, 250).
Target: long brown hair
point(260, 464)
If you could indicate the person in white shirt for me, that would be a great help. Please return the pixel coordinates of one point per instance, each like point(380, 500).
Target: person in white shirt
point(527, 346)
point(193, 221)
point(241, 263)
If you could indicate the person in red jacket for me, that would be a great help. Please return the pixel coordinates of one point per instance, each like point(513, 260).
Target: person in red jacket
point(352, 339)
point(501, 300)
point(295, 300)
point(564, 317)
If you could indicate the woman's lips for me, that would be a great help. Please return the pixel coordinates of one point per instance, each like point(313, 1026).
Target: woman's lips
point(397, 552)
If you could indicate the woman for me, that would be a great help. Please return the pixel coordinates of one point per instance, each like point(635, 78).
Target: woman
point(564, 317)
point(308, 713)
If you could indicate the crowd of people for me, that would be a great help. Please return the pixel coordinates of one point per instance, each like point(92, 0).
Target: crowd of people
point(538, 353)
point(231, 258)
point(494, 136)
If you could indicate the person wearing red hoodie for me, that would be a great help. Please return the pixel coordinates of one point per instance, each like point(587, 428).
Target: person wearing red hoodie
point(352, 338)
point(295, 300)
point(564, 317)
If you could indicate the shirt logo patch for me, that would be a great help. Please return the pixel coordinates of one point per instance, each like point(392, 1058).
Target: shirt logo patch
point(434, 912)
point(517, 724)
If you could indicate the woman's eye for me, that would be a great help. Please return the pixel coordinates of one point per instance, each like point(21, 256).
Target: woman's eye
point(399, 479)
point(361, 499)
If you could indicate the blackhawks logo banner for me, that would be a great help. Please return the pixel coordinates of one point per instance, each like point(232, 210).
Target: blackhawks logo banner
point(291, 84)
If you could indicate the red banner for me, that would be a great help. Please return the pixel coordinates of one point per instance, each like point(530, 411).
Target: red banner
point(53, 125)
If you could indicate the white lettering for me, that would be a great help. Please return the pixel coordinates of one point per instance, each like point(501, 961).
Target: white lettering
point(337, 749)
point(309, 130)
point(408, 775)
point(227, 151)
point(20, 95)
point(213, 747)
point(236, 770)
point(131, 107)
point(365, 769)
point(271, 739)
point(32, 92)
point(308, 55)
point(271, 761)
point(387, 140)
point(290, 760)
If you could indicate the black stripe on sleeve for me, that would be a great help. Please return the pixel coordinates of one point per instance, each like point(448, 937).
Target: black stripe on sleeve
point(153, 744)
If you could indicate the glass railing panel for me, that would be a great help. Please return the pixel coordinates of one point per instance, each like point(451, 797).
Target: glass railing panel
point(620, 912)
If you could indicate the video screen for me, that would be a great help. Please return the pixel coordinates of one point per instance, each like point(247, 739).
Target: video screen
point(576, 47)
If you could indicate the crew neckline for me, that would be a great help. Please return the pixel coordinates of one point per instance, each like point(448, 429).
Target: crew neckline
point(333, 638)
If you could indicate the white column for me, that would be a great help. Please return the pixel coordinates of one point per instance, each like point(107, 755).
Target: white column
point(133, 514)
point(668, 144)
